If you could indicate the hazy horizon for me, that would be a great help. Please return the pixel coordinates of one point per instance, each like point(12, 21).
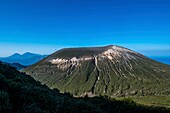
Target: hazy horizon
point(150, 53)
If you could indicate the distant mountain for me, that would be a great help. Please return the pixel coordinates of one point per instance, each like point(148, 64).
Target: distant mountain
point(17, 66)
point(165, 60)
point(24, 59)
point(111, 70)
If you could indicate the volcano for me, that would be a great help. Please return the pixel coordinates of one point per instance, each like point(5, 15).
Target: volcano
point(111, 70)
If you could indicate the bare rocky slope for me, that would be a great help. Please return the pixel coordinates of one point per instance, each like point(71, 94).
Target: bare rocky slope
point(110, 70)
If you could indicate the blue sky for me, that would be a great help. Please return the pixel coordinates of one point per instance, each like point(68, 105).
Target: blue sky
point(44, 26)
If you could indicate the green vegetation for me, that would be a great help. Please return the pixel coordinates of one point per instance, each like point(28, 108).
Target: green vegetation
point(79, 52)
point(121, 77)
point(19, 93)
point(153, 100)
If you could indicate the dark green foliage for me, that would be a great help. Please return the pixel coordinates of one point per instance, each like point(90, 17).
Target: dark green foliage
point(19, 93)
point(4, 101)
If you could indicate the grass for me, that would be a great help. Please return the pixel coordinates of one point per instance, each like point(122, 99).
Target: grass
point(162, 101)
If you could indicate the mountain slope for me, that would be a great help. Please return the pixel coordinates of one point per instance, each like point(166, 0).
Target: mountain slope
point(19, 93)
point(17, 66)
point(111, 70)
point(24, 59)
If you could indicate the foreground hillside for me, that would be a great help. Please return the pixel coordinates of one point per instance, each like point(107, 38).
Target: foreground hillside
point(19, 93)
point(111, 70)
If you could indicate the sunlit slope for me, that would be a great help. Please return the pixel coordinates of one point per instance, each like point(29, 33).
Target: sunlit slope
point(111, 70)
